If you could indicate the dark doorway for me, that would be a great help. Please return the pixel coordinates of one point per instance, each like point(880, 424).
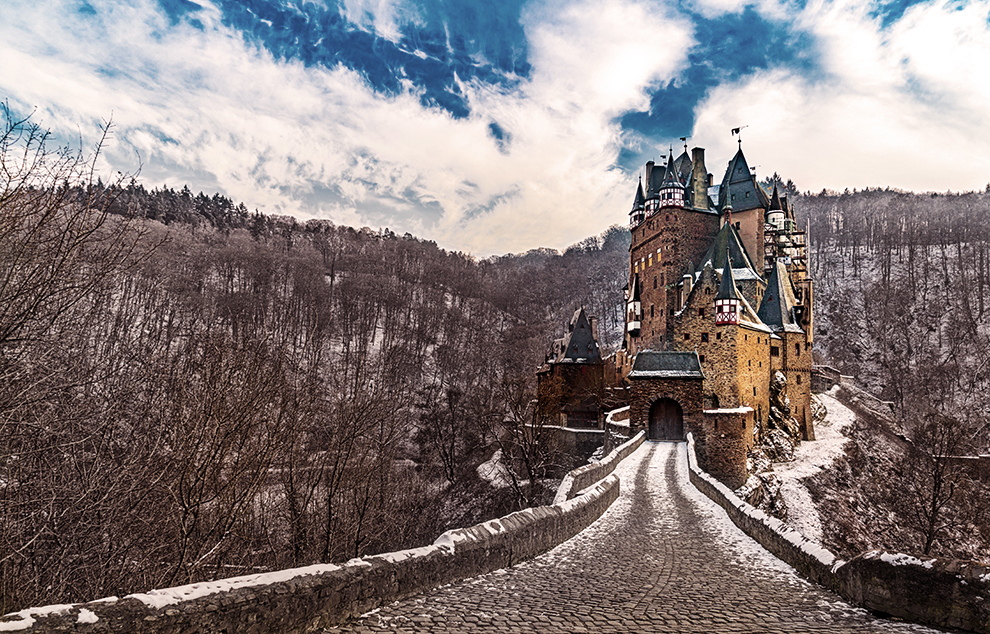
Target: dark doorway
point(666, 420)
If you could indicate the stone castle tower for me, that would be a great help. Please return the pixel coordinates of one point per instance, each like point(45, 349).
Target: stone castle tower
point(719, 302)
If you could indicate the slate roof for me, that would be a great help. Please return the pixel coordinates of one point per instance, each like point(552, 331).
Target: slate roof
point(739, 187)
point(683, 165)
point(578, 345)
point(777, 308)
point(727, 287)
point(650, 364)
point(775, 200)
point(671, 177)
point(639, 202)
point(727, 243)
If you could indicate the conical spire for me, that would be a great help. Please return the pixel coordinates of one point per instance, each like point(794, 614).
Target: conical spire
point(670, 176)
point(727, 288)
point(639, 202)
point(775, 200)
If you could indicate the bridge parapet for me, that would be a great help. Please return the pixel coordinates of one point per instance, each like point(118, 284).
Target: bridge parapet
point(940, 592)
point(314, 597)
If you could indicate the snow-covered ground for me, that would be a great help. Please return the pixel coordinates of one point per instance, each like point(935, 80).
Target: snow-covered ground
point(495, 473)
point(810, 458)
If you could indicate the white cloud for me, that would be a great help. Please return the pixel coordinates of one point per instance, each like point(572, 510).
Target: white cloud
point(204, 107)
point(903, 106)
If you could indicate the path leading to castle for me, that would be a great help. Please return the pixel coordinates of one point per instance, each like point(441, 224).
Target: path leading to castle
point(663, 558)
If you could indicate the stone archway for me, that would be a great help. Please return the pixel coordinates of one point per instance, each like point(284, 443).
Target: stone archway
point(666, 420)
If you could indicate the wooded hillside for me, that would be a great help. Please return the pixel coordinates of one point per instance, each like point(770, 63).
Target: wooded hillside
point(190, 391)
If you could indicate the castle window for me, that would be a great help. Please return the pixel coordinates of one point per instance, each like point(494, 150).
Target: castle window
point(746, 337)
point(733, 196)
point(651, 311)
point(760, 364)
point(701, 358)
point(687, 336)
point(774, 351)
point(749, 363)
point(798, 378)
point(668, 216)
point(718, 336)
point(747, 194)
point(701, 312)
point(654, 281)
point(661, 278)
point(737, 225)
point(754, 390)
point(704, 337)
point(797, 349)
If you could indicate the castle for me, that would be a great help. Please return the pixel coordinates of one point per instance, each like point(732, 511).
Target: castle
point(719, 301)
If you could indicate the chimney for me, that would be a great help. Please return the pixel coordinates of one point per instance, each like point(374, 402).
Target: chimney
point(699, 178)
point(594, 328)
point(649, 172)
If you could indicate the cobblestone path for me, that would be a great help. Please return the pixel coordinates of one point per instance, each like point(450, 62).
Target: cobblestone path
point(663, 558)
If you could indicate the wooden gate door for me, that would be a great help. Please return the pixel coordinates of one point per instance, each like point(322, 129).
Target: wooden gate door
point(666, 420)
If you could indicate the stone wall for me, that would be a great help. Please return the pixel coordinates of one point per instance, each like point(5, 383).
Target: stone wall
point(577, 443)
point(307, 599)
point(677, 236)
point(583, 477)
point(943, 593)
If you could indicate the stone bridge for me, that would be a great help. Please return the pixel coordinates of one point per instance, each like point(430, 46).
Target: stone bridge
point(663, 558)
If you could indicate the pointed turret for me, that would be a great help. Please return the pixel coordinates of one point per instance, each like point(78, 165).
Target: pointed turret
point(777, 309)
point(671, 188)
point(728, 246)
point(775, 212)
point(739, 187)
point(728, 299)
point(638, 212)
point(775, 200)
point(640, 200)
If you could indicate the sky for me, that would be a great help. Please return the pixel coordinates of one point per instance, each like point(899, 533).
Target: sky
point(498, 127)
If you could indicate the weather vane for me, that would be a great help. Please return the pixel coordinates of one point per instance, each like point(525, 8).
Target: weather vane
point(737, 132)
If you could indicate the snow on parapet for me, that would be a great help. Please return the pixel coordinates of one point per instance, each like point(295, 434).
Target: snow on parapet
point(27, 616)
point(898, 559)
point(605, 465)
point(170, 596)
point(85, 616)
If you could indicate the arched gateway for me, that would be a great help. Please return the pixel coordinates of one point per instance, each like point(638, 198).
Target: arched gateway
point(666, 420)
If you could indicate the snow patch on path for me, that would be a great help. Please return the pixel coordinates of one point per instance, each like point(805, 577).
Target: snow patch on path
point(810, 458)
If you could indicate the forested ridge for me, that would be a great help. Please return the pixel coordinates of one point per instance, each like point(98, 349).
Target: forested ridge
point(902, 286)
